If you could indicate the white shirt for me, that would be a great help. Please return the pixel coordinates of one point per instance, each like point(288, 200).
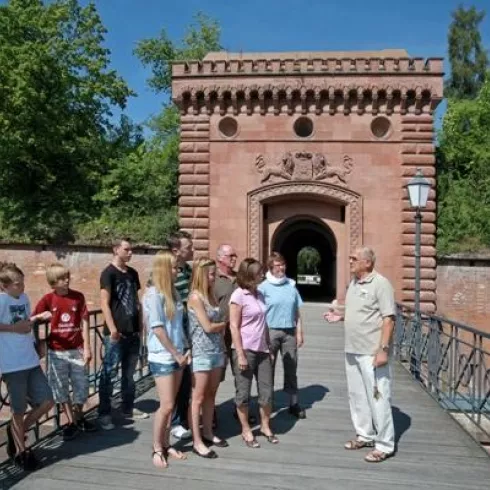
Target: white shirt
point(17, 350)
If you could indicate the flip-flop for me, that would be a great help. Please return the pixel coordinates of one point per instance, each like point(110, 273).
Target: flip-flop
point(162, 456)
point(174, 453)
point(253, 444)
point(272, 439)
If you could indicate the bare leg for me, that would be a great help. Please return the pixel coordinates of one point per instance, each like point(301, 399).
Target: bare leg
point(201, 381)
point(166, 388)
point(209, 403)
point(265, 417)
point(21, 423)
point(67, 407)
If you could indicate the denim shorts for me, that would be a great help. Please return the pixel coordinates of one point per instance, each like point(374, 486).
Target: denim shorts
point(158, 369)
point(27, 386)
point(208, 362)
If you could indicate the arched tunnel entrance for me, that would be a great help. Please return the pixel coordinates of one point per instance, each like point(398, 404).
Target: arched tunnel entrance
point(318, 281)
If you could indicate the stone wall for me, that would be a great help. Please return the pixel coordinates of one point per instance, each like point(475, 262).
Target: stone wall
point(463, 289)
point(463, 282)
point(85, 264)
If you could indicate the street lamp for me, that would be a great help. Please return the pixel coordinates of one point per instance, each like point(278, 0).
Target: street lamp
point(418, 192)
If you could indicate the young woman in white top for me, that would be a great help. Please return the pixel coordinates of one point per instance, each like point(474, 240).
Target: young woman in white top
point(163, 311)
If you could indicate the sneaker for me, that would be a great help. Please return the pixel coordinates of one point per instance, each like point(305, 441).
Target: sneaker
point(180, 432)
point(105, 422)
point(70, 432)
point(86, 425)
point(136, 414)
point(297, 411)
point(26, 461)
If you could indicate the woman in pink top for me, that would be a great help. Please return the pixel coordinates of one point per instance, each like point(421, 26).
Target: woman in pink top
point(250, 350)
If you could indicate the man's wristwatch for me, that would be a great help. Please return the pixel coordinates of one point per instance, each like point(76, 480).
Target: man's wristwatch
point(385, 348)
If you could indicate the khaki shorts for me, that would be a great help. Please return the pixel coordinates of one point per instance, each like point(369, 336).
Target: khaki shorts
point(260, 367)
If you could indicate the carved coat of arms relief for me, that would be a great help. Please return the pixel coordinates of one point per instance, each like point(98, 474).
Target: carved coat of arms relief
point(303, 165)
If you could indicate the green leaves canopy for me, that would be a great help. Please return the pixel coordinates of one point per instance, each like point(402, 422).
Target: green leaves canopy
point(56, 90)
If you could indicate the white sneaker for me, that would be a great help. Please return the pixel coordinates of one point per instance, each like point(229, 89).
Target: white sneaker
point(136, 414)
point(105, 422)
point(180, 432)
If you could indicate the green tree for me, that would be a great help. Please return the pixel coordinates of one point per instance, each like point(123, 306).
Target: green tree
point(308, 260)
point(467, 56)
point(464, 175)
point(154, 166)
point(56, 94)
point(202, 37)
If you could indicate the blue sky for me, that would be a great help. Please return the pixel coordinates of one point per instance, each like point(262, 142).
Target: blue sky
point(419, 26)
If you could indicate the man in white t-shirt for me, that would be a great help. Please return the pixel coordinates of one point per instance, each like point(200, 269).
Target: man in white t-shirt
point(19, 364)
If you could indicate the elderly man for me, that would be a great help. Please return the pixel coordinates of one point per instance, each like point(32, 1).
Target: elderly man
point(369, 322)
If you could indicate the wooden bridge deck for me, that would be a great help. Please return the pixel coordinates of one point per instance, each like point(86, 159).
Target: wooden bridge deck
point(433, 453)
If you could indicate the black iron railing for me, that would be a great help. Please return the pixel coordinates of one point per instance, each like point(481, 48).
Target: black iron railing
point(451, 361)
point(52, 421)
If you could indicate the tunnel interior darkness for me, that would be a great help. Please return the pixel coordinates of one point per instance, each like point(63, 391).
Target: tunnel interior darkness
point(297, 233)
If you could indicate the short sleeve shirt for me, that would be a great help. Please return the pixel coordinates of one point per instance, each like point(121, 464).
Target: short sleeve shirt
point(123, 288)
point(368, 301)
point(253, 328)
point(17, 350)
point(223, 289)
point(155, 317)
point(67, 312)
point(283, 302)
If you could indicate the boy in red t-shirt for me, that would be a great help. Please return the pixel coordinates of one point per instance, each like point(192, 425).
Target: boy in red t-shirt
point(68, 348)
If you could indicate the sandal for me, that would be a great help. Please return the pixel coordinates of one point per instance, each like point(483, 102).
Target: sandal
point(174, 453)
point(253, 444)
point(162, 458)
point(377, 456)
point(357, 444)
point(271, 438)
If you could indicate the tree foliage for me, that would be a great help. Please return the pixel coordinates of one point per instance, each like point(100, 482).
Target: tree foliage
point(467, 56)
point(56, 94)
point(154, 166)
point(463, 155)
point(464, 175)
point(308, 260)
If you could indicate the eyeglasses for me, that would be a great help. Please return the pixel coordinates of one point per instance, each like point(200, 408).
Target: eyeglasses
point(231, 255)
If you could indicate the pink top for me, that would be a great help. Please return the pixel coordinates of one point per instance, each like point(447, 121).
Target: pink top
point(253, 328)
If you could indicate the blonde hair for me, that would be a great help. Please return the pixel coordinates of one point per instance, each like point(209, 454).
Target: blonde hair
point(200, 281)
point(9, 273)
point(162, 280)
point(55, 272)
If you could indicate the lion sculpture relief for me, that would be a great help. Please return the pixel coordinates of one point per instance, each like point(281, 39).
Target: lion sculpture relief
point(322, 170)
point(284, 168)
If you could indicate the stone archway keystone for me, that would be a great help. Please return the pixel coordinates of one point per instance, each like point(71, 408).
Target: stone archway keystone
point(258, 197)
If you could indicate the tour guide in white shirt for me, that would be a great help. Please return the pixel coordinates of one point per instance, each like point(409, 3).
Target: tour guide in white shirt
point(369, 323)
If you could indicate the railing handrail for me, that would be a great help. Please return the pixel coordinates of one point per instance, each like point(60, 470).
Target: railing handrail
point(96, 344)
point(444, 319)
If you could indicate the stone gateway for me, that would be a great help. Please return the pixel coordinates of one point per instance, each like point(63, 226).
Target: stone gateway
point(280, 151)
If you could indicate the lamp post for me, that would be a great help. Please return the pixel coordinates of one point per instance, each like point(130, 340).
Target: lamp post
point(418, 192)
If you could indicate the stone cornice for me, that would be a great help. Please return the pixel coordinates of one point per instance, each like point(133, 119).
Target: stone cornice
point(413, 96)
point(307, 66)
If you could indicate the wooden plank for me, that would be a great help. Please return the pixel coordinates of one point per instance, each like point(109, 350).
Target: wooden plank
point(433, 451)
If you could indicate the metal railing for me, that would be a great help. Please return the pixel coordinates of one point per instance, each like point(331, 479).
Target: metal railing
point(53, 420)
point(451, 361)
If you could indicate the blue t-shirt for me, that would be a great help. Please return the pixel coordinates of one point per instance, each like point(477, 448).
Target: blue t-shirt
point(282, 302)
point(17, 350)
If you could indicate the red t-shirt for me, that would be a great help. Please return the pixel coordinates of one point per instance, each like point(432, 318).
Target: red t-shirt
point(66, 322)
